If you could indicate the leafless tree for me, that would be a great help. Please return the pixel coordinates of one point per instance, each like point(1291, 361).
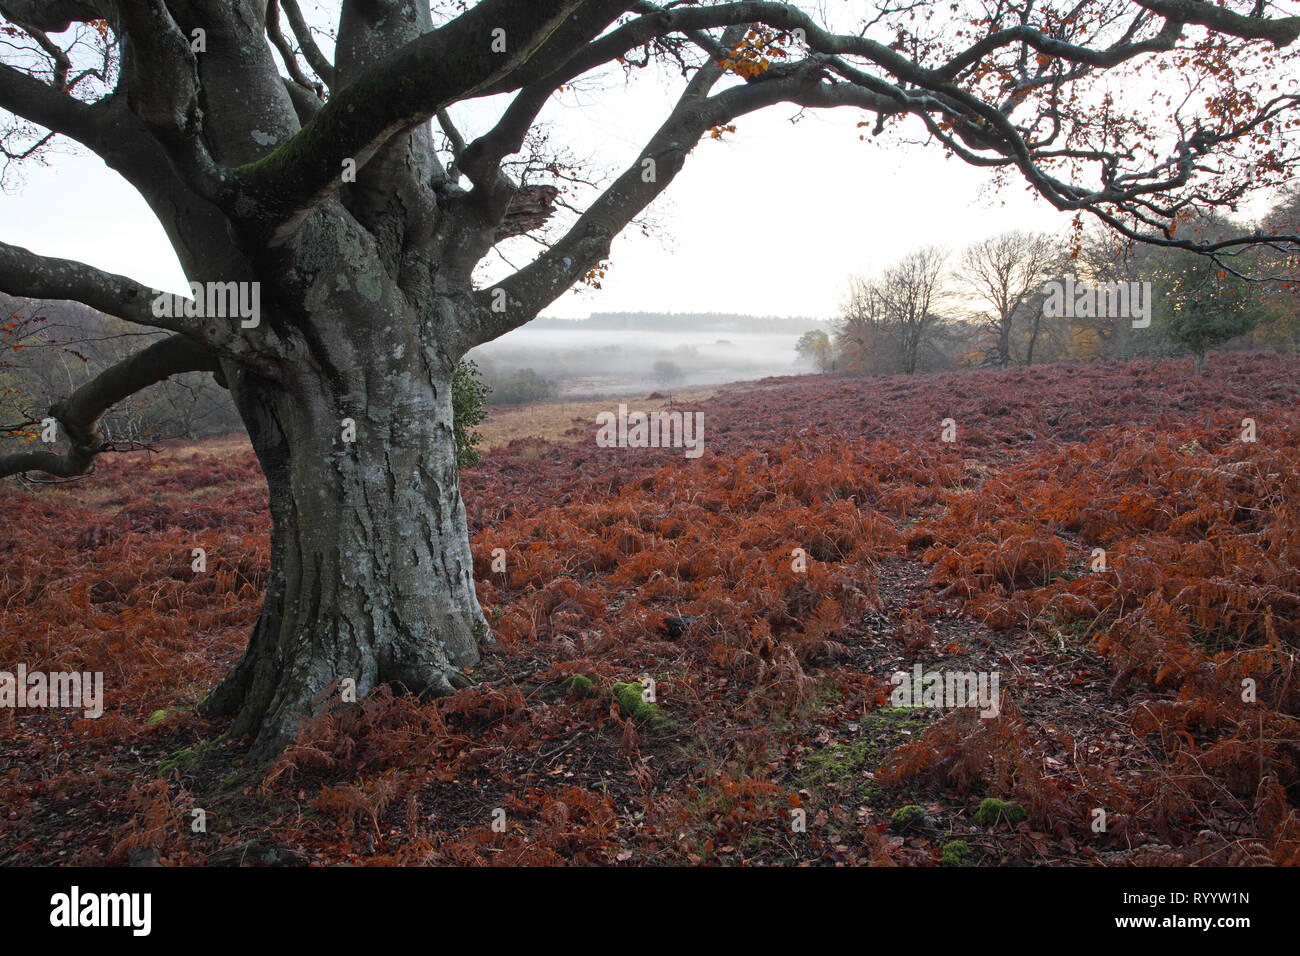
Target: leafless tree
point(861, 330)
point(886, 320)
point(1007, 273)
point(910, 291)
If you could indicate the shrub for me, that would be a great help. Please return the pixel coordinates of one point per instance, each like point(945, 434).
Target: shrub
point(666, 372)
point(522, 385)
point(468, 399)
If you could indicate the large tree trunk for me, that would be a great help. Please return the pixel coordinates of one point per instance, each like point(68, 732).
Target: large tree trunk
point(371, 574)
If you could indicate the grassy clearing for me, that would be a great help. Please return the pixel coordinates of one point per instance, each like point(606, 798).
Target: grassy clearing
point(570, 421)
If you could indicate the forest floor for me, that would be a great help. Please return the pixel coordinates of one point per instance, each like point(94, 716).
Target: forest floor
point(1100, 538)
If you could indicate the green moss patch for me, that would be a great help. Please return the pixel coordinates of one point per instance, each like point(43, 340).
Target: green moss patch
point(957, 853)
point(644, 712)
point(993, 811)
point(910, 818)
point(579, 685)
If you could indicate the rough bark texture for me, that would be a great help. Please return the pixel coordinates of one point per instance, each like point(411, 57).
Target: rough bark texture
point(371, 573)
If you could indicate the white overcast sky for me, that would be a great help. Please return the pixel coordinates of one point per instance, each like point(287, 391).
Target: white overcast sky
point(770, 221)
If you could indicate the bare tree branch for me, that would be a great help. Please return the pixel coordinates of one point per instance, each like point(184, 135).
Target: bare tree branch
point(307, 43)
point(24, 273)
point(520, 297)
point(1280, 32)
point(28, 97)
point(79, 413)
point(52, 16)
point(282, 45)
point(162, 76)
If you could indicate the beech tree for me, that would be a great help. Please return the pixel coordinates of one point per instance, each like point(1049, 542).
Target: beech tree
point(318, 179)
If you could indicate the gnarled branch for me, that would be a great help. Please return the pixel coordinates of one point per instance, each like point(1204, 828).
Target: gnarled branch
point(80, 412)
point(406, 89)
point(1280, 32)
point(24, 273)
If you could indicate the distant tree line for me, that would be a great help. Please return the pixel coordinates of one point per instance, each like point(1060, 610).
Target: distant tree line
point(989, 305)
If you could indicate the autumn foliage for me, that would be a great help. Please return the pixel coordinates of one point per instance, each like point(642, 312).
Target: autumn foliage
point(1122, 686)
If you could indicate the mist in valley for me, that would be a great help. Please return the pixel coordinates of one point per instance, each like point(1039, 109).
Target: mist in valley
point(622, 353)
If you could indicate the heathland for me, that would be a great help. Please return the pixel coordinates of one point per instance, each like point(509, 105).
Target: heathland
point(1106, 539)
